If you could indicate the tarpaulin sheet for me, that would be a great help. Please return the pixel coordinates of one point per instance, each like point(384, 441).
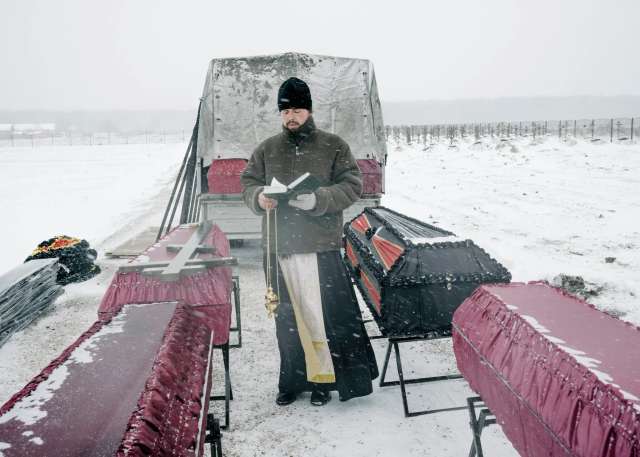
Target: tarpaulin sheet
point(561, 377)
point(209, 291)
point(81, 403)
point(239, 106)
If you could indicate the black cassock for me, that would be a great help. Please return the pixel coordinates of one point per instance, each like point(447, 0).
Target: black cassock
point(353, 359)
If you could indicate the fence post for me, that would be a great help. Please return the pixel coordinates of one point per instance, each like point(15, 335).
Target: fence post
point(575, 122)
point(611, 136)
point(631, 129)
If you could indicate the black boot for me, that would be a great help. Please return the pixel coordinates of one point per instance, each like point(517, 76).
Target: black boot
point(285, 398)
point(320, 397)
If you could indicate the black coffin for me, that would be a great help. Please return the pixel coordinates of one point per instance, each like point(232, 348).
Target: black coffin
point(413, 275)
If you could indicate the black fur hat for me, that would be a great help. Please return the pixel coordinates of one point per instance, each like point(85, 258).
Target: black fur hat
point(294, 93)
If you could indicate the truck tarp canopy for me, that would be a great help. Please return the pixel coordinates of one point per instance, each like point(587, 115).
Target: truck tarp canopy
point(239, 103)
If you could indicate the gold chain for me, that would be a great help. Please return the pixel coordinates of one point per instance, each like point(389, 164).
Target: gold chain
point(271, 298)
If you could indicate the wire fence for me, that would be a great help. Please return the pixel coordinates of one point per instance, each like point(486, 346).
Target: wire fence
point(58, 138)
point(611, 130)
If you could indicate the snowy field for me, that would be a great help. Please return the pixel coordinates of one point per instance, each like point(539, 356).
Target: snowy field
point(541, 209)
point(83, 191)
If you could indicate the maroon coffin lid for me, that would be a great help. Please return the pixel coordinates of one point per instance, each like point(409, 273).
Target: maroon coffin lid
point(138, 384)
point(562, 377)
point(81, 403)
point(209, 291)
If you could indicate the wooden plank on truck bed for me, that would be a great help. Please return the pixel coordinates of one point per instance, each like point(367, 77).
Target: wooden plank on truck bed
point(136, 245)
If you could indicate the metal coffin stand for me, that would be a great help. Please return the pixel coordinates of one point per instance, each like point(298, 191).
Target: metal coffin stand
point(236, 310)
point(478, 423)
point(394, 343)
point(413, 276)
point(228, 392)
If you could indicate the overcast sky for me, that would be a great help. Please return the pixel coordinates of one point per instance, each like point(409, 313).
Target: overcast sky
point(148, 54)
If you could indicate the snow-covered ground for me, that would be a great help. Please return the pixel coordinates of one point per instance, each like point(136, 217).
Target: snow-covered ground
point(540, 209)
point(104, 194)
point(83, 191)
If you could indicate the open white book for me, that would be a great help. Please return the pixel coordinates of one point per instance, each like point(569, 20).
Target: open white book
point(304, 184)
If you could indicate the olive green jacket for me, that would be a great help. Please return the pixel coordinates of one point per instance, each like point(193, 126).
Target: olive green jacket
point(288, 155)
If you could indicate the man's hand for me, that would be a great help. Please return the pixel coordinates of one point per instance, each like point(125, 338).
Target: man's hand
point(305, 202)
point(266, 203)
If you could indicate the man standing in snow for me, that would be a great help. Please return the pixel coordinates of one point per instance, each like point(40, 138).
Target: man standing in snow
point(321, 338)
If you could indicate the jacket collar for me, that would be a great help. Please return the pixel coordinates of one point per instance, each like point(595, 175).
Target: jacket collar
point(302, 133)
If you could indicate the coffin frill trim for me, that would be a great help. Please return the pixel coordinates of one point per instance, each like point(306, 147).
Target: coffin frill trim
point(169, 416)
point(547, 403)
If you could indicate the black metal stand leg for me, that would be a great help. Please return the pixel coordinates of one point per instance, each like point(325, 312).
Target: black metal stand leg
point(403, 389)
point(394, 343)
point(236, 305)
point(227, 371)
point(384, 383)
point(213, 436)
point(228, 392)
point(478, 423)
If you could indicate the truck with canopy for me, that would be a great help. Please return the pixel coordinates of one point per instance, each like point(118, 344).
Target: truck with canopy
point(238, 110)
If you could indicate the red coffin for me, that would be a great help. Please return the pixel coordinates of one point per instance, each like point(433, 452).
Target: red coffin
point(208, 292)
point(371, 177)
point(224, 176)
point(136, 385)
point(562, 378)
